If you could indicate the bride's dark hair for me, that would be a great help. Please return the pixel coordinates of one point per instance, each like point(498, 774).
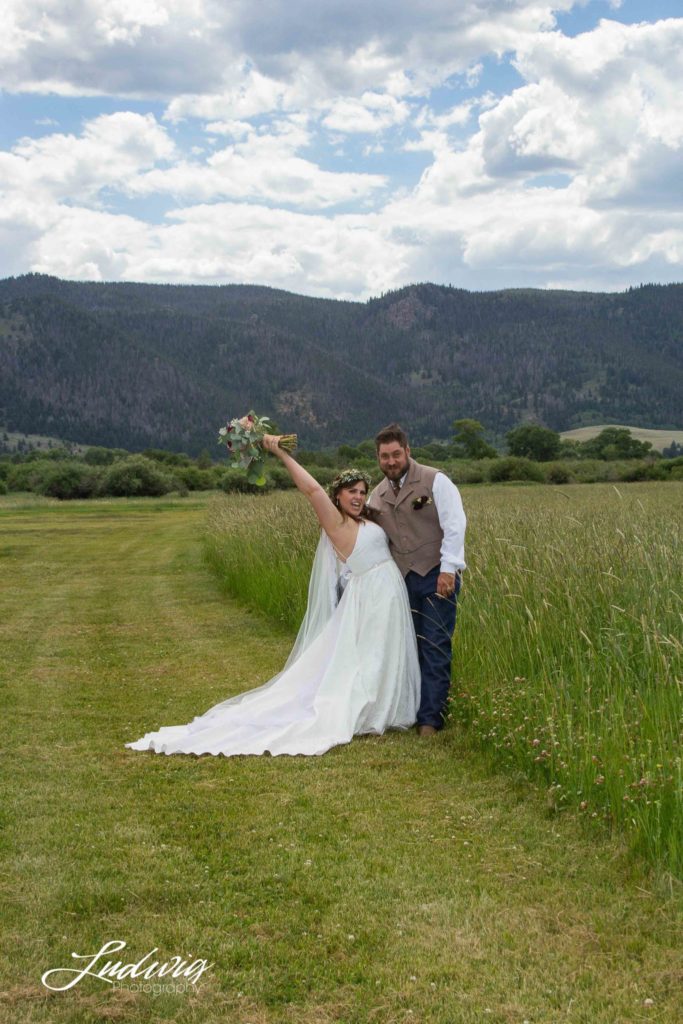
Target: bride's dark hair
point(347, 478)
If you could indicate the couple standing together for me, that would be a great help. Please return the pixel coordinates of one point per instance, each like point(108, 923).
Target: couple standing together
point(374, 649)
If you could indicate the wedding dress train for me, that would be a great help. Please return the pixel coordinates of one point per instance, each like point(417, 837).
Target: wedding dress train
point(353, 668)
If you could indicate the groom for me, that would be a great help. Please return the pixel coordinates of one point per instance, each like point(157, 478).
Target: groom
point(421, 512)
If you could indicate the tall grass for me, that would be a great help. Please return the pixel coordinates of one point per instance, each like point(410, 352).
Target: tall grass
point(568, 656)
point(261, 548)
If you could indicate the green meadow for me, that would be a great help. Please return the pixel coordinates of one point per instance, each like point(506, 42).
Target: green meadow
point(523, 866)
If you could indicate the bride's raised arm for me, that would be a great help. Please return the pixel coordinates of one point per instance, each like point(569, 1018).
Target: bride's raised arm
point(329, 517)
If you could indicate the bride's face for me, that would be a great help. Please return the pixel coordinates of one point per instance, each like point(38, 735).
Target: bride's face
point(352, 499)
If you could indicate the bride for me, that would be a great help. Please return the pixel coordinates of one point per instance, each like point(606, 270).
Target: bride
point(354, 666)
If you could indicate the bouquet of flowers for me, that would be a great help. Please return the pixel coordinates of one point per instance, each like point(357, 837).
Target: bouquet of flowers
point(244, 440)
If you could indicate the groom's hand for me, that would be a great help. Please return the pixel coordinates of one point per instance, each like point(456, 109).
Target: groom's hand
point(445, 584)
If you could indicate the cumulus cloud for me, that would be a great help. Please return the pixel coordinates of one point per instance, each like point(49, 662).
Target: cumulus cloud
point(342, 256)
point(367, 114)
point(262, 166)
point(572, 175)
point(600, 111)
point(111, 149)
point(186, 49)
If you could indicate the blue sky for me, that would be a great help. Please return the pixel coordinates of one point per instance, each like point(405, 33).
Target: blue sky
point(343, 149)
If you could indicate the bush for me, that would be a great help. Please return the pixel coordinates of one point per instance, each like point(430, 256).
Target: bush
point(514, 468)
point(136, 476)
point(280, 478)
point(672, 467)
point(68, 480)
point(591, 471)
point(323, 474)
point(195, 479)
point(25, 476)
point(465, 473)
point(308, 458)
point(557, 473)
point(3, 486)
point(167, 458)
point(54, 454)
point(643, 471)
point(234, 481)
point(99, 456)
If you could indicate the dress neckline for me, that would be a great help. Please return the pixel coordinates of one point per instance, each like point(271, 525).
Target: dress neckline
point(355, 545)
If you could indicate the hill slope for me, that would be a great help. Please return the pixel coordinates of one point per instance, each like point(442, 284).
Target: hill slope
point(136, 365)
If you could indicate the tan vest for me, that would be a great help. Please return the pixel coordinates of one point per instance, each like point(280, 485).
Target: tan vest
point(410, 519)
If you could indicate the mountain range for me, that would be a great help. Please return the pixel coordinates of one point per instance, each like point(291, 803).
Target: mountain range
point(137, 365)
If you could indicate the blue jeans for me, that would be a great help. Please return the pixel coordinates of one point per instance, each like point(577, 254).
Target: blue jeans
point(434, 621)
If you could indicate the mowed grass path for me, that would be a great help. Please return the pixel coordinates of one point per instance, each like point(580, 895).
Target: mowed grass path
point(390, 880)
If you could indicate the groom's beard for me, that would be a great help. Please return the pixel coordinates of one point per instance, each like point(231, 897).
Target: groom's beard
point(396, 472)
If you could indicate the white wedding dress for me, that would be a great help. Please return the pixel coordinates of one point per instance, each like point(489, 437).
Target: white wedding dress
point(353, 668)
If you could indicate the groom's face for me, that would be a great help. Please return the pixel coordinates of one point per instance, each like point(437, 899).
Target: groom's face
point(393, 459)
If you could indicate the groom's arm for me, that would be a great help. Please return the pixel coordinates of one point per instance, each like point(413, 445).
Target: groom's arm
point(452, 520)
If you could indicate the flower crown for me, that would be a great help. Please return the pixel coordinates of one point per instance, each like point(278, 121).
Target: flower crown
point(347, 477)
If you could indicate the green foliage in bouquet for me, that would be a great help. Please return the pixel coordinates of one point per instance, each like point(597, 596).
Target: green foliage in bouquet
point(243, 438)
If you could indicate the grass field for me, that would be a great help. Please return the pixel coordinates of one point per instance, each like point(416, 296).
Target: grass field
point(389, 881)
point(569, 661)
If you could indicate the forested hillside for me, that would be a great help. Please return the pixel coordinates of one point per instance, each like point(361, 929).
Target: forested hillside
point(136, 365)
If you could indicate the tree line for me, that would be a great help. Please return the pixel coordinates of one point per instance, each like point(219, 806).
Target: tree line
point(535, 454)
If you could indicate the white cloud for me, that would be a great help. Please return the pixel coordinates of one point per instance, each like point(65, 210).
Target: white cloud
point(598, 114)
point(242, 55)
point(111, 149)
point(340, 257)
point(263, 167)
point(602, 108)
point(368, 114)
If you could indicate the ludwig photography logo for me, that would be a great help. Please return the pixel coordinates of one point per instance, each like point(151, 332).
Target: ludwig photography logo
point(135, 977)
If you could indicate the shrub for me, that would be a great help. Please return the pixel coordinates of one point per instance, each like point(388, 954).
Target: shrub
point(99, 456)
point(195, 479)
point(558, 473)
point(464, 473)
point(234, 481)
point(24, 476)
point(322, 474)
point(643, 471)
point(3, 486)
point(672, 467)
point(591, 471)
point(54, 454)
point(280, 478)
point(166, 457)
point(136, 475)
point(514, 468)
point(67, 480)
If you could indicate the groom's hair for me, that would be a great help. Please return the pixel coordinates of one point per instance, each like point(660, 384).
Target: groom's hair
point(392, 433)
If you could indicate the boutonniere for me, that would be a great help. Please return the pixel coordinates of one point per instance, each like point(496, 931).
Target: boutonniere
point(420, 502)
